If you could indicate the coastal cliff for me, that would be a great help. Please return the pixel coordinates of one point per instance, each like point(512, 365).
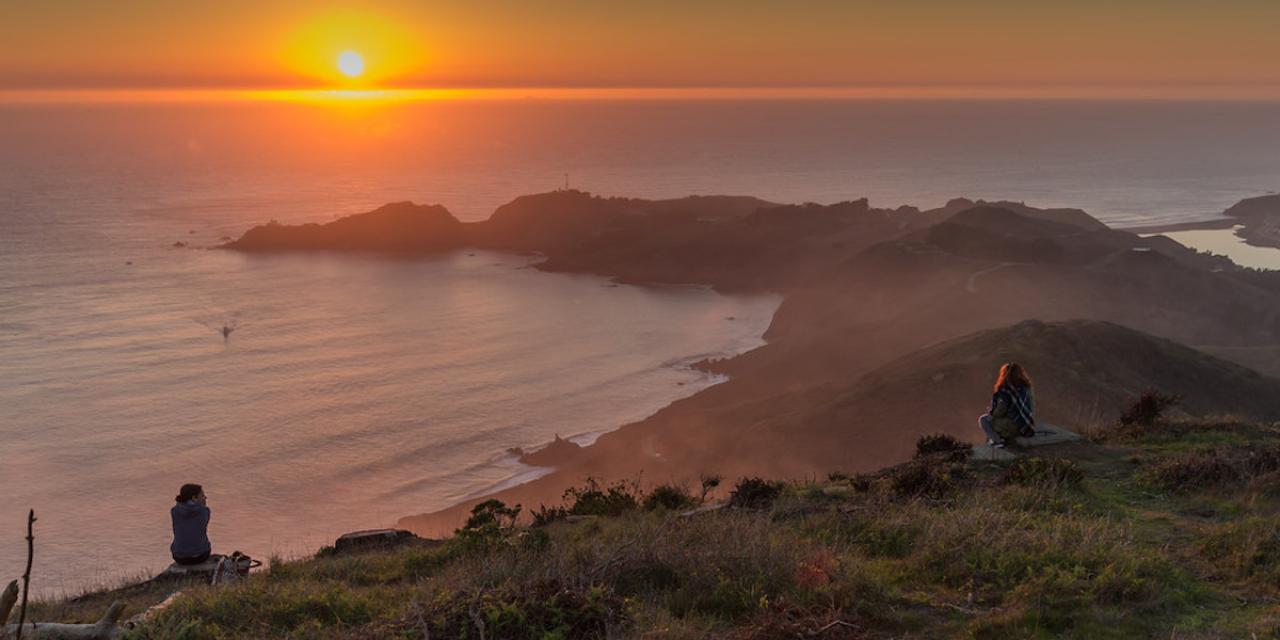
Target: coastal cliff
point(848, 380)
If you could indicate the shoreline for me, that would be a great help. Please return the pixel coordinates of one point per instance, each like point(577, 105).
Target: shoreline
point(1215, 224)
point(699, 363)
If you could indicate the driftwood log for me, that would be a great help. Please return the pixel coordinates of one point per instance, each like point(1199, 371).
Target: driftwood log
point(104, 629)
point(7, 600)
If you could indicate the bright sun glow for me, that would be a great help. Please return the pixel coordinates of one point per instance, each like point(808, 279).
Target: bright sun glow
point(350, 64)
point(350, 49)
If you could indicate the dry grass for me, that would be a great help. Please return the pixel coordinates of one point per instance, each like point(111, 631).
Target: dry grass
point(935, 548)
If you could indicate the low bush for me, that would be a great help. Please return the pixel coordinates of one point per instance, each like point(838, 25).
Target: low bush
point(754, 493)
point(490, 522)
point(594, 499)
point(544, 515)
point(670, 497)
point(1142, 419)
point(940, 443)
point(1149, 408)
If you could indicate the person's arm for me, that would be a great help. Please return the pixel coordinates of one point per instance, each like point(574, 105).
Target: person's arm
point(999, 406)
point(1031, 404)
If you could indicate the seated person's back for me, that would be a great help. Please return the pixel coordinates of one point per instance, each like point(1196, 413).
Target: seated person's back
point(190, 526)
point(1012, 411)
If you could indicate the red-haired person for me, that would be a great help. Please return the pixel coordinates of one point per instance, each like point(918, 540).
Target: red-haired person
point(1013, 407)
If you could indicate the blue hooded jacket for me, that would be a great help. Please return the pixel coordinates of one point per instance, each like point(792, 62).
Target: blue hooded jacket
point(190, 529)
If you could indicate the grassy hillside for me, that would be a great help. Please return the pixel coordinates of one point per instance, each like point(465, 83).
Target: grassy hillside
point(1164, 528)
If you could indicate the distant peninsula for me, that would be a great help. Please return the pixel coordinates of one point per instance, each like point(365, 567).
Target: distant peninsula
point(1255, 220)
point(892, 323)
point(730, 242)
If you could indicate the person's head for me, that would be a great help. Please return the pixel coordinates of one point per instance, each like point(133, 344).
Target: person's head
point(1012, 374)
point(190, 492)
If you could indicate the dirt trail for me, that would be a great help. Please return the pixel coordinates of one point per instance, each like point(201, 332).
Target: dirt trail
point(972, 285)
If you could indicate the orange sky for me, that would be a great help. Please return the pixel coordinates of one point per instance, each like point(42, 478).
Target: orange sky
point(1227, 48)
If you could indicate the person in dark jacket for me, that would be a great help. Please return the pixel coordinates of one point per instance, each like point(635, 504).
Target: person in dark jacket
point(1013, 407)
point(190, 526)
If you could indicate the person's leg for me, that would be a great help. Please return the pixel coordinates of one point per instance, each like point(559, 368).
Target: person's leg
point(984, 421)
point(192, 560)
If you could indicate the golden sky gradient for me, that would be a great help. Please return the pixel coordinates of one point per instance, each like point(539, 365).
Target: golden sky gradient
point(1228, 48)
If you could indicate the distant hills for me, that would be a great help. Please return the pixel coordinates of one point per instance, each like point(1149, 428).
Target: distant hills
point(892, 325)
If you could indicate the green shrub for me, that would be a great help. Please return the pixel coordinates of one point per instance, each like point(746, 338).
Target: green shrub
point(940, 443)
point(595, 499)
point(754, 493)
point(1149, 408)
point(669, 497)
point(544, 515)
point(592, 499)
point(489, 523)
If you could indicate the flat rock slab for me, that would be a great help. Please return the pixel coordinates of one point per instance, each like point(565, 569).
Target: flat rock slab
point(208, 566)
point(1046, 435)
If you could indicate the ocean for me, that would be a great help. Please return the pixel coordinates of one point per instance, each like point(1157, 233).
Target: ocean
point(355, 389)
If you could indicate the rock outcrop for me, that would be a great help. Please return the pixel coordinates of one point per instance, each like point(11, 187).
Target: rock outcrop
point(1260, 218)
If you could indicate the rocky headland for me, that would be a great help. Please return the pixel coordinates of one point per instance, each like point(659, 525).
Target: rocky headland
point(1259, 219)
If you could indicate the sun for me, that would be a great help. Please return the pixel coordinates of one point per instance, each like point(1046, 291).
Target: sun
point(351, 64)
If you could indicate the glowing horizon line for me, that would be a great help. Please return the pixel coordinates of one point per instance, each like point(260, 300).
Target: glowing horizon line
point(408, 94)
